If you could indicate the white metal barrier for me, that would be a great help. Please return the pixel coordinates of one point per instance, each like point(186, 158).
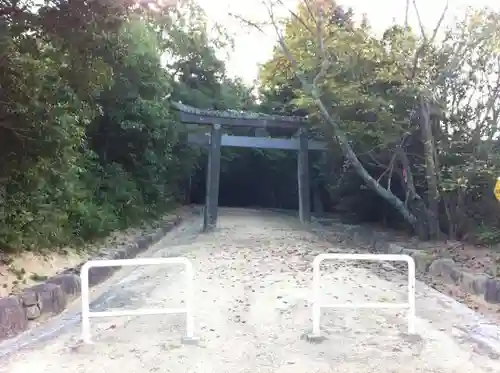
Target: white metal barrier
point(316, 308)
point(86, 314)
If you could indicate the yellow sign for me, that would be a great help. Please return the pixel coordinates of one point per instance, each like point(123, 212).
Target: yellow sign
point(497, 189)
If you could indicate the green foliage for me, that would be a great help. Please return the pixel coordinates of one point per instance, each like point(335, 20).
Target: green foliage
point(487, 235)
point(88, 140)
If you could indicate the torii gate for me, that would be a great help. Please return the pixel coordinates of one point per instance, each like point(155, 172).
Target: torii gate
point(215, 140)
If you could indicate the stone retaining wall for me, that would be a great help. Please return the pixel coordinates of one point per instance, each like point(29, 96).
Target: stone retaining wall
point(426, 263)
point(53, 296)
point(452, 273)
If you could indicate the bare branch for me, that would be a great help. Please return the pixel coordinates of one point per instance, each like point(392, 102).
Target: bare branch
point(420, 23)
point(407, 10)
point(288, 54)
point(325, 62)
point(410, 183)
point(425, 42)
point(439, 23)
point(247, 22)
point(389, 168)
point(299, 19)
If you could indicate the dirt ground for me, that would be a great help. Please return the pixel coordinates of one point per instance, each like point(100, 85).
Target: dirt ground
point(473, 259)
point(253, 278)
point(20, 271)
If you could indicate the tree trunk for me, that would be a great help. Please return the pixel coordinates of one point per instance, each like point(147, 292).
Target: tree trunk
point(341, 137)
point(433, 197)
point(413, 200)
point(359, 168)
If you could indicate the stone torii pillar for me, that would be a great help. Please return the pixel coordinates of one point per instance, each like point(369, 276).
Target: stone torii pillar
point(213, 176)
point(303, 178)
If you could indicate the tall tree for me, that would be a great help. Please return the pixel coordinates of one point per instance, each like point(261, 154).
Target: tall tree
point(381, 100)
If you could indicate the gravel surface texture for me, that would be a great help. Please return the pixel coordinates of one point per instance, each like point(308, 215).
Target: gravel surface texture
point(253, 290)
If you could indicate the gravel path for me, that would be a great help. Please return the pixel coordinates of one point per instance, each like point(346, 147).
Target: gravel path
point(253, 279)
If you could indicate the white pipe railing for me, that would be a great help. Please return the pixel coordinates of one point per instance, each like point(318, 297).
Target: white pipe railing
point(316, 307)
point(87, 314)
